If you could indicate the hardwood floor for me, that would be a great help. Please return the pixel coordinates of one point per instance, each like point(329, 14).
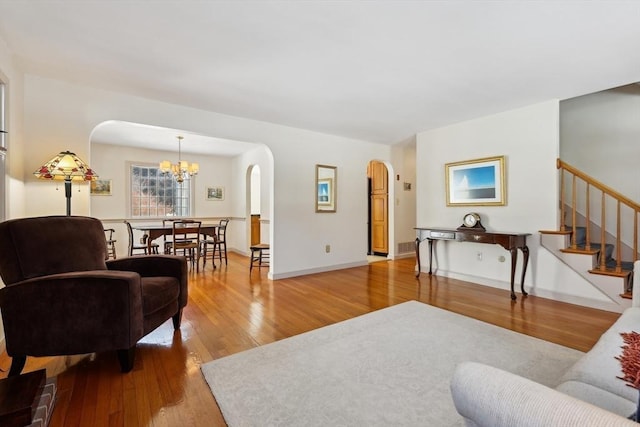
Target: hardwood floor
point(230, 310)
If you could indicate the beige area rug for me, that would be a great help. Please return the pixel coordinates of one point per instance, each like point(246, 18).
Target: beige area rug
point(391, 367)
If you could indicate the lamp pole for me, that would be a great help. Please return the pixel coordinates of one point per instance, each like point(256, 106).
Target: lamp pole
point(67, 193)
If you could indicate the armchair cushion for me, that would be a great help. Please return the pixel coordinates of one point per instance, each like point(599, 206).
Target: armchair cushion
point(156, 266)
point(157, 292)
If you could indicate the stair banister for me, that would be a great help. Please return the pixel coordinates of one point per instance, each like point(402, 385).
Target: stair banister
point(606, 191)
point(618, 240)
point(603, 239)
point(588, 219)
point(600, 186)
point(562, 197)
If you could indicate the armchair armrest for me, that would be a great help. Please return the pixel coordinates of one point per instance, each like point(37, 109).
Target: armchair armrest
point(155, 266)
point(490, 397)
point(73, 313)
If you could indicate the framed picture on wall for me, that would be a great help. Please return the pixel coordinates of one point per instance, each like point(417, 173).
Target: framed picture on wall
point(326, 188)
point(477, 182)
point(100, 187)
point(215, 193)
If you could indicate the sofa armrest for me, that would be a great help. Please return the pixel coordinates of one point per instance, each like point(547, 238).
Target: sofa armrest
point(73, 313)
point(490, 397)
point(156, 266)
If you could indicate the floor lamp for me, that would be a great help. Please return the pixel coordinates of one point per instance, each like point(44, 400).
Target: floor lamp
point(67, 167)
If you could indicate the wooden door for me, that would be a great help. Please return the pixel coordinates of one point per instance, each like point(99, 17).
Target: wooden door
point(255, 229)
point(379, 221)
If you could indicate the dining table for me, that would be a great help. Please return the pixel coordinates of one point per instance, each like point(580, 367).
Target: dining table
point(155, 231)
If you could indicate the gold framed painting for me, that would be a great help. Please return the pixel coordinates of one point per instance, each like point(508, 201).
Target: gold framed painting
point(100, 187)
point(479, 182)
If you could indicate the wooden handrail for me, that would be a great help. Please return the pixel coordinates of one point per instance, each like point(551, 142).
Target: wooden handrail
point(600, 186)
point(606, 192)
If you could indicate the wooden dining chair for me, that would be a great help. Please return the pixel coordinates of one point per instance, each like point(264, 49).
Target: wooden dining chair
point(143, 246)
point(260, 256)
point(167, 238)
point(186, 240)
point(207, 249)
point(111, 243)
point(216, 244)
point(220, 245)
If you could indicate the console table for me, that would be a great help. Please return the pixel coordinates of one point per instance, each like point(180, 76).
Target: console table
point(510, 241)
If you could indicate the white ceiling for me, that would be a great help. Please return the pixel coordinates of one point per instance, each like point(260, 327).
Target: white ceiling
point(373, 70)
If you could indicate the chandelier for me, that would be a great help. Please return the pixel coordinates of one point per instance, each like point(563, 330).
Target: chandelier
point(181, 169)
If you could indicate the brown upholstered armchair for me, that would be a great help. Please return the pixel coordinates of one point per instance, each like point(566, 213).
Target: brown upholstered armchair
point(63, 298)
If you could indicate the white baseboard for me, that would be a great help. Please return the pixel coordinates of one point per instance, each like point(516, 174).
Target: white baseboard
point(318, 270)
point(542, 293)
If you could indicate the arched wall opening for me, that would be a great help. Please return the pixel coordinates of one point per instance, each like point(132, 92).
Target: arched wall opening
point(116, 145)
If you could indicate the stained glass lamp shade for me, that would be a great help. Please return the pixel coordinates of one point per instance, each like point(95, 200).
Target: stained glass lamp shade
point(67, 167)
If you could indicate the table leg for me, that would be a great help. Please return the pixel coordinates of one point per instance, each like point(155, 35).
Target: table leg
point(514, 260)
point(153, 234)
point(418, 255)
point(525, 253)
point(430, 255)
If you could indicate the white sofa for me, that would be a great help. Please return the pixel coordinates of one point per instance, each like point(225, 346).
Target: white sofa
point(588, 394)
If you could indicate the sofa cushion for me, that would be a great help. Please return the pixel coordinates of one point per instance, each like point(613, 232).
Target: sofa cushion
point(599, 397)
point(158, 292)
point(599, 367)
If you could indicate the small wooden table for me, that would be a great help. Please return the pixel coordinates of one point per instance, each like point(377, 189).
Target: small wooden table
point(19, 398)
point(510, 241)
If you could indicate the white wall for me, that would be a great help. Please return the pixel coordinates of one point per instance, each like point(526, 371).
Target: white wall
point(113, 162)
point(239, 235)
point(13, 79)
point(255, 191)
point(60, 115)
point(599, 134)
point(404, 203)
point(528, 138)
point(604, 126)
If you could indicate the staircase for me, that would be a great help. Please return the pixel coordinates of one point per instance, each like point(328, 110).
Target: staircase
point(586, 244)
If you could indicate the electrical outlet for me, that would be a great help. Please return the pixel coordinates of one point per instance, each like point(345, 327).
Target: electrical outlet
point(327, 248)
point(479, 256)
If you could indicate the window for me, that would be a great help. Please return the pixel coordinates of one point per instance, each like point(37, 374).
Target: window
point(154, 194)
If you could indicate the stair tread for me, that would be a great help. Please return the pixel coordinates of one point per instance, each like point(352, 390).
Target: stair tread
point(580, 251)
point(611, 272)
point(554, 232)
point(611, 267)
